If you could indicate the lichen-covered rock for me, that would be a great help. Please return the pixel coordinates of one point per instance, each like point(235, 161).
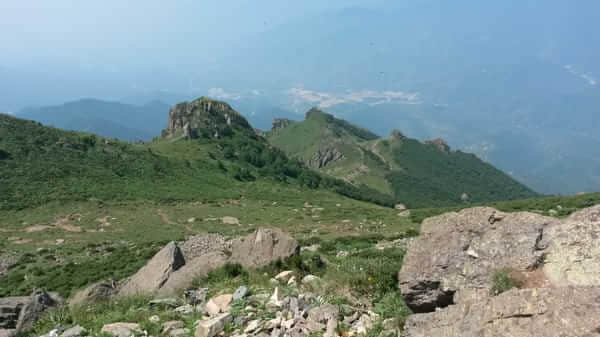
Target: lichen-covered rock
point(152, 277)
point(461, 251)
point(548, 312)
point(263, 247)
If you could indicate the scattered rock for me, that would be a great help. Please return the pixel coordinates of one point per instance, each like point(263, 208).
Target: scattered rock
point(284, 276)
point(76, 331)
point(171, 325)
point(179, 332)
point(400, 207)
point(212, 327)
point(219, 304)
point(310, 279)
point(240, 293)
point(229, 220)
point(121, 329)
point(185, 309)
point(154, 319)
point(196, 296)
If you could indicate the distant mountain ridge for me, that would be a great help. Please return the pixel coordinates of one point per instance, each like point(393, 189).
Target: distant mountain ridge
point(108, 119)
point(418, 174)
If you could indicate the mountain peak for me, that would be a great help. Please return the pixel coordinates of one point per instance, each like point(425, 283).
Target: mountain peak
point(440, 144)
point(204, 117)
point(317, 113)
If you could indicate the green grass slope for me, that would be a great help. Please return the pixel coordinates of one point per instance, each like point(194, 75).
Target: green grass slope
point(415, 173)
point(41, 164)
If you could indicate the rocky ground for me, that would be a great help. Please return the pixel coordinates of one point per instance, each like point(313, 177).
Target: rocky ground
point(481, 272)
point(476, 272)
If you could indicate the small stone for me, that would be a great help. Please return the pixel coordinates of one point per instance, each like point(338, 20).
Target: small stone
point(219, 304)
point(190, 220)
point(51, 333)
point(309, 279)
point(252, 326)
point(212, 327)
point(196, 296)
point(284, 276)
point(179, 332)
point(121, 329)
point(332, 324)
point(75, 331)
point(292, 281)
point(171, 325)
point(185, 309)
point(274, 300)
point(154, 319)
point(342, 254)
point(240, 293)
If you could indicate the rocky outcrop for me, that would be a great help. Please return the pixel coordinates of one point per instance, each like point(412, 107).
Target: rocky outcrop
point(566, 311)
point(280, 123)
point(18, 314)
point(448, 274)
point(172, 270)
point(324, 157)
point(263, 247)
point(204, 118)
point(462, 250)
point(440, 144)
point(156, 272)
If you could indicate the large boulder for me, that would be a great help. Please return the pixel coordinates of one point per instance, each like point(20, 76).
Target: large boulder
point(555, 263)
point(263, 247)
point(31, 311)
point(573, 254)
point(94, 293)
point(193, 269)
point(461, 251)
point(150, 278)
point(548, 312)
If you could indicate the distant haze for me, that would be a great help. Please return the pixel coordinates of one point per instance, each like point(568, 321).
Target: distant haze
point(516, 82)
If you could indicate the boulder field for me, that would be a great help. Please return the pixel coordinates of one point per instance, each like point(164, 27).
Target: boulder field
point(450, 274)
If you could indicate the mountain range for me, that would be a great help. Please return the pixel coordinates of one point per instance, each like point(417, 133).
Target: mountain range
point(208, 143)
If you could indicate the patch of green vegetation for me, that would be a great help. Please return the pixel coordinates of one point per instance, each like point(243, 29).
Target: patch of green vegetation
point(47, 164)
point(434, 178)
point(503, 281)
point(415, 173)
point(44, 271)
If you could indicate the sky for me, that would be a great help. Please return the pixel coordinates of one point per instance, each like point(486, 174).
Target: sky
point(112, 34)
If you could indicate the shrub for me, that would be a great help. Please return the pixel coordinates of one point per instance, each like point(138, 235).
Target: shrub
point(503, 281)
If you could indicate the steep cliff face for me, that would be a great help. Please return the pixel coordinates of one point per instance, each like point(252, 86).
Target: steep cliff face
point(205, 118)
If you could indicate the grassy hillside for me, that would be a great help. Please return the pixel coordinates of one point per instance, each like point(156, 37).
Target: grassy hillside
point(415, 173)
point(42, 164)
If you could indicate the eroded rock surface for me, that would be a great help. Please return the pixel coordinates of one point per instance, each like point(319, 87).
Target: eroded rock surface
point(548, 312)
point(263, 247)
point(462, 250)
point(448, 274)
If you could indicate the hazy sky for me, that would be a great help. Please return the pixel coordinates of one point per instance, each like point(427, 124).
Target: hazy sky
point(117, 33)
